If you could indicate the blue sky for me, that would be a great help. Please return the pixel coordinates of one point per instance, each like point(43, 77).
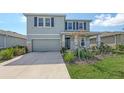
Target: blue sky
point(100, 22)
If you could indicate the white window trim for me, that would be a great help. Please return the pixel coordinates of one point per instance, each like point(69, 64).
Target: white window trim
point(44, 22)
point(45, 34)
point(82, 25)
point(45, 38)
point(72, 26)
point(38, 22)
point(76, 26)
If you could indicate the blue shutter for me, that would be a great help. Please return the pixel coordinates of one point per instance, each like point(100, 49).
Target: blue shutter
point(77, 25)
point(73, 25)
point(52, 22)
point(85, 26)
point(65, 25)
point(35, 21)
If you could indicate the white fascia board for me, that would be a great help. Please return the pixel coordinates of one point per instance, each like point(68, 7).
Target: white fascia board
point(44, 34)
point(45, 38)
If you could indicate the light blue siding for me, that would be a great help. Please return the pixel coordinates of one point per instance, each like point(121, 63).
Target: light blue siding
point(1, 41)
point(13, 41)
point(58, 26)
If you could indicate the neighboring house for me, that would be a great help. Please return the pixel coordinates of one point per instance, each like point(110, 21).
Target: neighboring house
point(10, 39)
point(110, 38)
point(51, 32)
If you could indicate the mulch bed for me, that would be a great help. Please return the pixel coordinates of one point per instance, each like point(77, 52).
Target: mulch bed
point(91, 60)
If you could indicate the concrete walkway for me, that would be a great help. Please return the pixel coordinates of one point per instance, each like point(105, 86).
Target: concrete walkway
point(42, 65)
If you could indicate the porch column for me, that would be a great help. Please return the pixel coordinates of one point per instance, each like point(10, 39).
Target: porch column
point(63, 40)
point(5, 37)
point(75, 41)
point(87, 42)
point(98, 40)
point(115, 39)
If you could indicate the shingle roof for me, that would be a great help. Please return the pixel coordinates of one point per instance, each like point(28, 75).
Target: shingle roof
point(13, 34)
point(44, 14)
point(105, 34)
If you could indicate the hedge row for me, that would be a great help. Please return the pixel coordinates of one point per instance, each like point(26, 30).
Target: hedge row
point(9, 53)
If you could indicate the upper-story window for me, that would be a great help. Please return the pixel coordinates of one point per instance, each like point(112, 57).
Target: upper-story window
point(40, 21)
point(43, 22)
point(47, 22)
point(80, 26)
point(69, 26)
point(76, 25)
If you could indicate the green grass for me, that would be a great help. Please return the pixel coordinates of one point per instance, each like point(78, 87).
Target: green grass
point(1, 61)
point(109, 68)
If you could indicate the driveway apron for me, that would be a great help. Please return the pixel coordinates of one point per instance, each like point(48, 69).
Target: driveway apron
point(35, 65)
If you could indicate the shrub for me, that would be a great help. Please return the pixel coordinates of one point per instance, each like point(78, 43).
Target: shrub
point(94, 48)
point(19, 51)
point(86, 54)
point(104, 48)
point(120, 47)
point(117, 52)
point(63, 50)
point(9, 53)
point(6, 54)
point(69, 56)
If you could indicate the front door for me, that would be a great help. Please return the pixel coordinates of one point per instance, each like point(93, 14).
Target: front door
point(67, 42)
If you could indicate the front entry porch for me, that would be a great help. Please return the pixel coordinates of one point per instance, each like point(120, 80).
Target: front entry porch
point(74, 40)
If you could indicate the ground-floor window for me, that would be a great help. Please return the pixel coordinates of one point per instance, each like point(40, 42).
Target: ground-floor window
point(82, 42)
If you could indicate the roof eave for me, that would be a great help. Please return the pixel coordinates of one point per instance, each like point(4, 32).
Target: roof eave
point(44, 14)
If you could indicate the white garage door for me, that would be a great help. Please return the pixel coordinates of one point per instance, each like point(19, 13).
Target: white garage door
point(45, 45)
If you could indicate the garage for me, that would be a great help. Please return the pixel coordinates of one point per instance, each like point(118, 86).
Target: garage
point(39, 45)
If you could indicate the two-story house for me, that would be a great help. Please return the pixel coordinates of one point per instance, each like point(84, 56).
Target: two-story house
point(51, 32)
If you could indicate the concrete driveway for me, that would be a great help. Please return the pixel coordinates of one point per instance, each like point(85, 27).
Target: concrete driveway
point(35, 65)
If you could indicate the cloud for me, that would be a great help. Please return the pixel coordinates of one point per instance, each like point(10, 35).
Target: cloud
point(108, 20)
point(23, 19)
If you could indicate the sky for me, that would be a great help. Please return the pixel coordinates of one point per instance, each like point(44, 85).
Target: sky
point(16, 22)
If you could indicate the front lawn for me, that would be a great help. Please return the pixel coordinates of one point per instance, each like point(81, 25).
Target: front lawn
point(1, 61)
point(108, 68)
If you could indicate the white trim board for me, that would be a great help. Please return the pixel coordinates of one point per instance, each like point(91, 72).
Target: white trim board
point(45, 38)
point(43, 34)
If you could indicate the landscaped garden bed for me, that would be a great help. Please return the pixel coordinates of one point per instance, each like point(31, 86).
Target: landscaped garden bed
point(9, 53)
point(102, 62)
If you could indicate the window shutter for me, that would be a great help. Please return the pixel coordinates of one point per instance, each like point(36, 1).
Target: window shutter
point(73, 25)
point(85, 27)
point(65, 25)
point(77, 25)
point(52, 22)
point(35, 21)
